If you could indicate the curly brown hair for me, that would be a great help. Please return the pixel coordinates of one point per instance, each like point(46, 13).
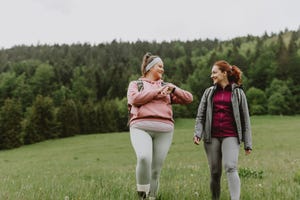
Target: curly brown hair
point(234, 74)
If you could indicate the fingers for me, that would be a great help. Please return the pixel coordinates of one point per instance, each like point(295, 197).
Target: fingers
point(247, 152)
point(161, 90)
point(165, 90)
point(169, 90)
point(171, 87)
point(196, 140)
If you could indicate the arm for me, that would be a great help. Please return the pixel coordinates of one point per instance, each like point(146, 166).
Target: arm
point(245, 122)
point(138, 98)
point(178, 95)
point(200, 118)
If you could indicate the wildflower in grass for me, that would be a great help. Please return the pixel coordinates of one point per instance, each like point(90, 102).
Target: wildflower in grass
point(250, 173)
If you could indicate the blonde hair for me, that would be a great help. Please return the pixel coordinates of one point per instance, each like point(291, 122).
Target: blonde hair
point(147, 58)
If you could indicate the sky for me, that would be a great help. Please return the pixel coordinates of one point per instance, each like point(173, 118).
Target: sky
point(33, 22)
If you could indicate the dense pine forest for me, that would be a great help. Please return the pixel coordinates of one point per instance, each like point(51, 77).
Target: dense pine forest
point(54, 91)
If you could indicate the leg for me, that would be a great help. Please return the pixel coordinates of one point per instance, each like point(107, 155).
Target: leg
point(230, 151)
point(214, 157)
point(161, 145)
point(142, 144)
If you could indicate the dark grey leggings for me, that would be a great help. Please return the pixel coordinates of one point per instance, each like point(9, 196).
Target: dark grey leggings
point(224, 150)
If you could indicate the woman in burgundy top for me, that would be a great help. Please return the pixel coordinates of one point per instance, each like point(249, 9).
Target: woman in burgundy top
point(223, 122)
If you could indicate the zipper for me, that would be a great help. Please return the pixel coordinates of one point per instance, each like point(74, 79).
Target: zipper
point(222, 112)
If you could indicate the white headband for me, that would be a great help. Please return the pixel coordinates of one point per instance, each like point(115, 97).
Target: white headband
point(152, 63)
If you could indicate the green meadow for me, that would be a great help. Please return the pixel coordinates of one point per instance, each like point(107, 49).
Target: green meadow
point(102, 166)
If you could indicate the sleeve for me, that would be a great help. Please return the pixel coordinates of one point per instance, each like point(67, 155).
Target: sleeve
point(201, 115)
point(181, 96)
point(138, 98)
point(245, 120)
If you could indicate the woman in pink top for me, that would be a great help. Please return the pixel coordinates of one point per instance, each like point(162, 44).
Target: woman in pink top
point(151, 122)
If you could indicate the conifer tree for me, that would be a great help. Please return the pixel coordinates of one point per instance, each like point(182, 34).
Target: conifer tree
point(41, 122)
point(10, 124)
point(67, 118)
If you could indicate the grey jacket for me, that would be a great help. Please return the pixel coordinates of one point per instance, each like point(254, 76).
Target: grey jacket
point(240, 111)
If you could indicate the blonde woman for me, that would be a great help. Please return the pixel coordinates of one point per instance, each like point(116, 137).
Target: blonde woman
point(151, 123)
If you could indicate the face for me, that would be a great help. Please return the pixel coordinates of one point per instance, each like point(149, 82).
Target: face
point(157, 71)
point(217, 75)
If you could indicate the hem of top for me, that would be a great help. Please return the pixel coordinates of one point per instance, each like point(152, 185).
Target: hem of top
point(223, 136)
point(166, 121)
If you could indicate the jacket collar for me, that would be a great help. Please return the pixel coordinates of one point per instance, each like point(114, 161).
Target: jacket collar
point(233, 86)
point(150, 81)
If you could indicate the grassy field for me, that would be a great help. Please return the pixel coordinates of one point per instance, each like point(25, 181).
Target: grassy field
point(102, 166)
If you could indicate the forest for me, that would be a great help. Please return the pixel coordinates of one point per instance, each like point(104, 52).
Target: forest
point(56, 91)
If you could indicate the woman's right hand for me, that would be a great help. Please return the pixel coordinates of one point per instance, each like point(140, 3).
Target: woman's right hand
point(163, 90)
point(196, 140)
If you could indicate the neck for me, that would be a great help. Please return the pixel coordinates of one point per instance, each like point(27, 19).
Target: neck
point(151, 77)
point(223, 84)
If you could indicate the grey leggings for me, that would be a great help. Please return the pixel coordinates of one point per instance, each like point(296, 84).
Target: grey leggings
point(226, 150)
point(151, 149)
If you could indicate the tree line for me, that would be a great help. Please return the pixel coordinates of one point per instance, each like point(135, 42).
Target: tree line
point(54, 91)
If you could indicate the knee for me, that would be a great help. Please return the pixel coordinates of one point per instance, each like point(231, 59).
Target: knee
point(229, 168)
point(155, 173)
point(216, 171)
point(156, 169)
point(216, 175)
point(144, 160)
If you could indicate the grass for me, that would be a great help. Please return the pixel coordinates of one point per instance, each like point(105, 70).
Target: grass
point(102, 166)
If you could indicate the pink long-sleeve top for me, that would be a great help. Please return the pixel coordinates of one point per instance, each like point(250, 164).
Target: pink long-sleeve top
point(148, 105)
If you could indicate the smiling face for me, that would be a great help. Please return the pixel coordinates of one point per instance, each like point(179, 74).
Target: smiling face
point(218, 76)
point(157, 71)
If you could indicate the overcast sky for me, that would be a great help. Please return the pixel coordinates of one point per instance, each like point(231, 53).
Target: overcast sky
point(33, 22)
